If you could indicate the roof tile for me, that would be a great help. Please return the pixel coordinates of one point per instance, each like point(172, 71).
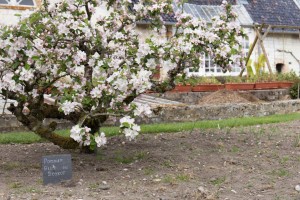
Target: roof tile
point(274, 12)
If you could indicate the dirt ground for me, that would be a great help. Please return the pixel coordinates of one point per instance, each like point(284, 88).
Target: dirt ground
point(228, 96)
point(260, 162)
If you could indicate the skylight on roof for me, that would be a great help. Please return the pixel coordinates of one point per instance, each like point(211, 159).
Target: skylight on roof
point(242, 2)
point(17, 2)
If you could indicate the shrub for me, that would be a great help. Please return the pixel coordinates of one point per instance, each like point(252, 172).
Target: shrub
point(294, 90)
point(290, 76)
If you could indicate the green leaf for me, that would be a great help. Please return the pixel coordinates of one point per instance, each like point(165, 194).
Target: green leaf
point(126, 125)
point(93, 145)
point(36, 58)
point(27, 66)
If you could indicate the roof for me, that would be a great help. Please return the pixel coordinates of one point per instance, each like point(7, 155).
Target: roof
point(270, 12)
point(207, 12)
point(274, 12)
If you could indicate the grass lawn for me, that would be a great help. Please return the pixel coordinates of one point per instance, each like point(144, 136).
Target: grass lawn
point(29, 137)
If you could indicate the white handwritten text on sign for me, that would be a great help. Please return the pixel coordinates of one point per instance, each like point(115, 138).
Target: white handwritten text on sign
point(56, 168)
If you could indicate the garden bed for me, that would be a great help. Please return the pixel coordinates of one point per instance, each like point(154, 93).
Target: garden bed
point(232, 86)
point(194, 97)
point(258, 162)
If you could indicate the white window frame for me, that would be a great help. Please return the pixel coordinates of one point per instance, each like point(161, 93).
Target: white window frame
point(19, 7)
point(208, 68)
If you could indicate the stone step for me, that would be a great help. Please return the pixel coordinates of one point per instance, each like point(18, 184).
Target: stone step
point(155, 101)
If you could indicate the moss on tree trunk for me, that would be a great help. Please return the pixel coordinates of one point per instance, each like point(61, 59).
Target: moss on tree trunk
point(39, 111)
point(63, 142)
point(36, 125)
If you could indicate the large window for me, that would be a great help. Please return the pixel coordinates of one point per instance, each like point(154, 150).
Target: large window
point(209, 68)
point(18, 3)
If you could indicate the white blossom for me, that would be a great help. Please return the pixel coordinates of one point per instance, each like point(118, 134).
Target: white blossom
point(96, 92)
point(142, 109)
point(130, 134)
point(87, 140)
point(68, 107)
point(79, 57)
point(100, 140)
point(126, 119)
point(76, 133)
point(26, 75)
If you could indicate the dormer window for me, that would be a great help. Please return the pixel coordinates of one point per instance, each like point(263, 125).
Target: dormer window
point(17, 4)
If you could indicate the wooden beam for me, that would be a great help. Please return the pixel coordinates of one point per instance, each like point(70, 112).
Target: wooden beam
point(250, 53)
point(39, 3)
point(266, 33)
point(277, 26)
point(264, 49)
point(17, 7)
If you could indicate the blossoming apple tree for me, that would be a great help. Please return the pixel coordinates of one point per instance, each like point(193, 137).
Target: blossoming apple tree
point(94, 65)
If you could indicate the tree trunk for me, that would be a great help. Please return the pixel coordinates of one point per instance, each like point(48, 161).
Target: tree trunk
point(63, 142)
point(45, 131)
point(34, 122)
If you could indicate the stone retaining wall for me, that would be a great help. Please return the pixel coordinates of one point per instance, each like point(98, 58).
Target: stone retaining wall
point(225, 111)
point(9, 123)
point(194, 97)
point(189, 113)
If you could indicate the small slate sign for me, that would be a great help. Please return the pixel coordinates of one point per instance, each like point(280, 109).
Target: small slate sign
point(56, 168)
